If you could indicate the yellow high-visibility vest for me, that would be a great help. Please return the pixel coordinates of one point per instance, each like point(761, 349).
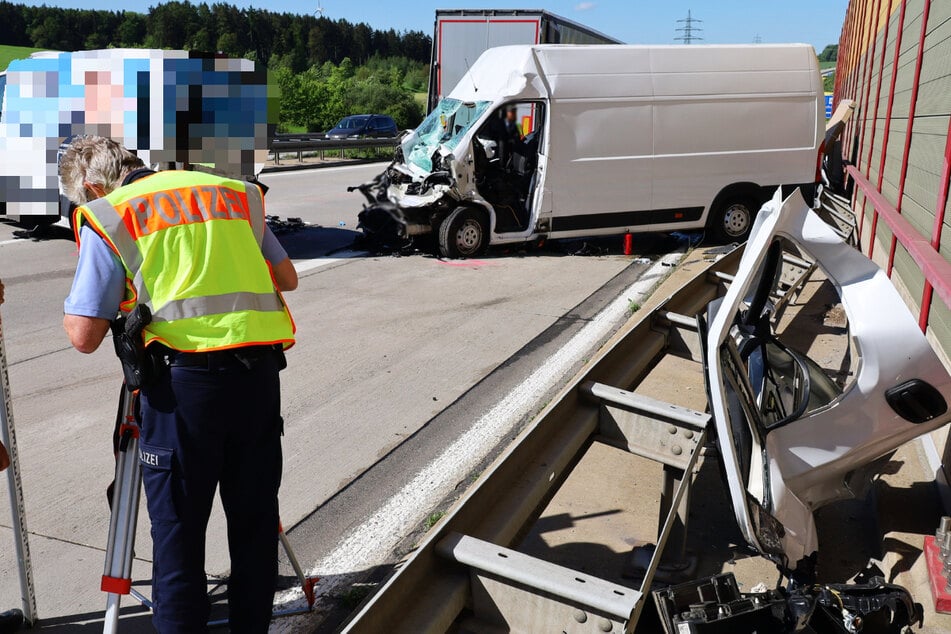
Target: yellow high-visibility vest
point(190, 244)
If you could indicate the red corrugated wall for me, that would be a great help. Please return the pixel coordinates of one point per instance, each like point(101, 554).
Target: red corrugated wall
point(895, 62)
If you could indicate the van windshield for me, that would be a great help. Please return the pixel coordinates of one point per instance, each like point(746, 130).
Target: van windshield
point(445, 125)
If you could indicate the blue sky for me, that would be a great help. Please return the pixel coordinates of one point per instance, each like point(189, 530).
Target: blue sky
point(816, 22)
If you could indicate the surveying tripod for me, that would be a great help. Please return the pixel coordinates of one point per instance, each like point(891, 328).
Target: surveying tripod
point(20, 540)
point(117, 576)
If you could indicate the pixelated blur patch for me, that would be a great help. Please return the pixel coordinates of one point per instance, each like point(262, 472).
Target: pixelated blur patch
point(166, 106)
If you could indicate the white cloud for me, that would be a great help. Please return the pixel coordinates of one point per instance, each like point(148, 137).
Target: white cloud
point(585, 6)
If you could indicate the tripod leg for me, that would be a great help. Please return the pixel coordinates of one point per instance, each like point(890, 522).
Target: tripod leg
point(8, 437)
point(307, 583)
point(117, 573)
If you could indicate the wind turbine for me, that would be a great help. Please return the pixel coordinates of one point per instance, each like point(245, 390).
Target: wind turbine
point(320, 10)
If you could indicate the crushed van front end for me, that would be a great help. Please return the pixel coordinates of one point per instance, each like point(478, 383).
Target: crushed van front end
point(426, 181)
point(401, 206)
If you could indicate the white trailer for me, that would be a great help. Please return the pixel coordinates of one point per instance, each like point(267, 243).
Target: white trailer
point(462, 35)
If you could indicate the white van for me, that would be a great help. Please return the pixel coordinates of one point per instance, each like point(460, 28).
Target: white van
point(604, 140)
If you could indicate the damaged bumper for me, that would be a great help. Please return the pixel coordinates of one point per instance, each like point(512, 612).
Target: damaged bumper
point(399, 207)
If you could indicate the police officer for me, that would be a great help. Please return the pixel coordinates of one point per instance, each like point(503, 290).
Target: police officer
point(196, 250)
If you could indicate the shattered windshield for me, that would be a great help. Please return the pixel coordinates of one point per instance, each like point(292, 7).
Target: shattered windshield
point(445, 125)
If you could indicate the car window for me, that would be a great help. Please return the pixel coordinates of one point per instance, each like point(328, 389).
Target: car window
point(352, 123)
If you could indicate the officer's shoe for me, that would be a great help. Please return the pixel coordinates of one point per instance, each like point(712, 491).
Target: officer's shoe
point(11, 621)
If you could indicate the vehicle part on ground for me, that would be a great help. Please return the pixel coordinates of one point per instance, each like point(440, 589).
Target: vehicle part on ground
point(868, 605)
point(279, 226)
point(716, 605)
point(464, 233)
point(791, 439)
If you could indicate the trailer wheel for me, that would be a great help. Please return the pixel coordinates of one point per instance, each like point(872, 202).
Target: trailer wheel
point(464, 233)
point(732, 219)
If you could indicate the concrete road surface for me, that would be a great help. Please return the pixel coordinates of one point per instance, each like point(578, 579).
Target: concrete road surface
point(397, 357)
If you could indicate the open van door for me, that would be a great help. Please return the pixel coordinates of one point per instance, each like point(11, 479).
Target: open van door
point(791, 439)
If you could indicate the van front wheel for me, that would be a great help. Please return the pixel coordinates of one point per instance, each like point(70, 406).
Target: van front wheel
point(732, 220)
point(464, 233)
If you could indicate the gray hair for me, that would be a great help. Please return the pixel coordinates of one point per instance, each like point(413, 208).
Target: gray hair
point(96, 160)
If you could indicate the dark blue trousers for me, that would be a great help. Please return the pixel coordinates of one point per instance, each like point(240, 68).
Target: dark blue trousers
point(205, 427)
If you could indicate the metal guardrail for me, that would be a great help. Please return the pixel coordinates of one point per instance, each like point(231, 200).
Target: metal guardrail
point(924, 252)
point(433, 587)
point(311, 142)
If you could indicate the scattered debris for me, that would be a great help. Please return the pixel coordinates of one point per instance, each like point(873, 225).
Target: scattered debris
point(587, 247)
point(715, 604)
point(691, 238)
point(279, 226)
point(36, 234)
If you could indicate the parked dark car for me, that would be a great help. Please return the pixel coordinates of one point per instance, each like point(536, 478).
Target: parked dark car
point(359, 126)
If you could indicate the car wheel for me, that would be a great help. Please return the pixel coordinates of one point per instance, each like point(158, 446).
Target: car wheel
point(732, 219)
point(464, 233)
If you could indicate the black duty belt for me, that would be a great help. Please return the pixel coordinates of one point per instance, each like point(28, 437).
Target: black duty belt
point(247, 357)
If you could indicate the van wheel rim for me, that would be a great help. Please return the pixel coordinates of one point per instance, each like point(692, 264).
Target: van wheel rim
point(469, 237)
point(736, 220)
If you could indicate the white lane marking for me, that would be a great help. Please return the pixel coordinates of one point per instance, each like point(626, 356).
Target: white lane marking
point(14, 241)
point(303, 266)
point(371, 543)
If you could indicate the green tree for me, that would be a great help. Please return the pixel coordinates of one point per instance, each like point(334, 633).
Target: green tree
point(171, 25)
point(830, 53)
point(131, 30)
point(13, 25)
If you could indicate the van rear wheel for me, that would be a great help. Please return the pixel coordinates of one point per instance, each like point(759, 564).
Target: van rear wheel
point(464, 233)
point(732, 219)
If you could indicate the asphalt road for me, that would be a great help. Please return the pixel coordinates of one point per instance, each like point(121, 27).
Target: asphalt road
point(396, 358)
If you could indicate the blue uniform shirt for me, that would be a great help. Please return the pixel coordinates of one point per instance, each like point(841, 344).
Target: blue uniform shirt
point(99, 284)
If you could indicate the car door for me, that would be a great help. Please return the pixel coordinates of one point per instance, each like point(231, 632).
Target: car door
point(791, 440)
